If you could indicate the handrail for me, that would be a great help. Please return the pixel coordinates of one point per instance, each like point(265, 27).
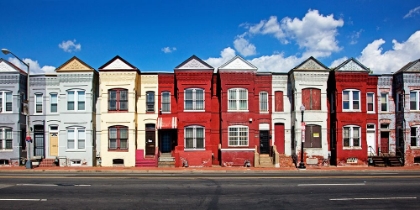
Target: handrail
point(370, 151)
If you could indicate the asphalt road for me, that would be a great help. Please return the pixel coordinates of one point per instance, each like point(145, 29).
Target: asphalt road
point(399, 190)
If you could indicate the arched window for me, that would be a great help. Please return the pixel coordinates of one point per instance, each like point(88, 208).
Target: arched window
point(263, 102)
point(76, 138)
point(118, 138)
point(311, 98)
point(238, 99)
point(194, 99)
point(166, 102)
point(194, 137)
point(351, 136)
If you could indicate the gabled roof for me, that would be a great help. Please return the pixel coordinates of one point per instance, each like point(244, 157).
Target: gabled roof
point(74, 64)
point(194, 63)
point(411, 67)
point(6, 66)
point(117, 63)
point(352, 64)
point(311, 64)
point(238, 63)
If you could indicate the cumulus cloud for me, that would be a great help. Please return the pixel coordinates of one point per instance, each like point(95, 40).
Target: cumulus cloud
point(243, 46)
point(225, 55)
point(379, 61)
point(168, 49)
point(34, 66)
point(70, 46)
point(412, 12)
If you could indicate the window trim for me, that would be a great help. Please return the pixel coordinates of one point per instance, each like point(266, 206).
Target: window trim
point(118, 138)
point(194, 100)
point(36, 95)
point(311, 99)
point(152, 103)
point(351, 101)
point(351, 137)
point(417, 136)
point(168, 103)
point(386, 102)
point(4, 140)
point(238, 136)
point(76, 139)
point(373, 102)
point(194, 137)
point(417, 100)
point(263, 109)
point(118, 99)
point(56, 103)
point(237, 100)
point(76, 100)
point(3, 101)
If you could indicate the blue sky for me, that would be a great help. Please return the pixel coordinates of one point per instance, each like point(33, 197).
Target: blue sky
point(158, 35)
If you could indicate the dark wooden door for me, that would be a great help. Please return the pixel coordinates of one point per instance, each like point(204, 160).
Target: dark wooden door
point(150, 142)
point(264, 142)
point(384, 142)
point(313, 136)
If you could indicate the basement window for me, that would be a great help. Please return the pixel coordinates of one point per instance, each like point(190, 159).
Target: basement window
point(4, 162)
point(118, 162)
point(417, 160)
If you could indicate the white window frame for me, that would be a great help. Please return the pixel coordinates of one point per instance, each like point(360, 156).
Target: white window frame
point(194, 137)
point(194, 100)
point(351, 100)
point(416, 100)
point(51, 102)
point(234, 99)
point(77, 139)
point(263, 102)
point(36, 97)
point(351, 137)
point(386, 102)
point(4, 101)
point(76, 100)
point(416, 136)
point(373, 102)
point(3, 140)
point(237, 130)
point(166, 101)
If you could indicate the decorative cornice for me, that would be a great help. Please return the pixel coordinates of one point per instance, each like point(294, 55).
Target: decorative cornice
point(75, 78)
point(149, 79)
point(9, 79)
point(118, 76)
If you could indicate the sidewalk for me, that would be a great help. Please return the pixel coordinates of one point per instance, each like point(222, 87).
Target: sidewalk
point(216, 169)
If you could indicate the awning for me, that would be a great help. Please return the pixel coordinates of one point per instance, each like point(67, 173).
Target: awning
point(166, 123)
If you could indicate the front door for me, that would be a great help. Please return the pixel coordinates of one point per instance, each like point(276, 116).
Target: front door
point(166, 142)
point(53, 144)
point(150, 143)
point(39, 140)
point(384, 142)
point(264, 142)
point(370, 136)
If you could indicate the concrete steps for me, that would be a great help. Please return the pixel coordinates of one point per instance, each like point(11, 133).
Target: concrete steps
point(166, 161)
point(266, 161)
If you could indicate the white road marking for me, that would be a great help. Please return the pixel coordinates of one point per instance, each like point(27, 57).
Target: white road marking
point(383, 173)
point(82, 185)
point(380, 198)
point(22, 199)
point(302, 185)
point(39, 185)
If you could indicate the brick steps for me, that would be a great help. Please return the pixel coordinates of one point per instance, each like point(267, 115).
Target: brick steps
point(47, 163)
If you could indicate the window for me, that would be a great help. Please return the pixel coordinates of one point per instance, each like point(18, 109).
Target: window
point(415, 136)
point(351, 100)
point(76, 138)
point(150, 101)
point(6, 139)
point(351, 136)
point(278, 97)
point(53, 102)
point(414, 100)
point(118, 138)
point(384, 102)
point(370, 102)
point(311, 98)
point(263, 102)
point(194, 137)
point(238, 135)
point(400, 102)
point(5, 101)
point(117, 100)
point(38, 103)
point(194, 99)
point(76, 100)
point(238, 99)
point(166, 102)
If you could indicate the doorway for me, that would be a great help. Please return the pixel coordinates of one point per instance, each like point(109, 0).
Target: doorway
point(384, 142)
point(150, 139)
point(39, 140)
point(264, 142)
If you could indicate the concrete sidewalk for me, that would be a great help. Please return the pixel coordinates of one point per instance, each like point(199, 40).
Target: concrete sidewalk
point(216, 169)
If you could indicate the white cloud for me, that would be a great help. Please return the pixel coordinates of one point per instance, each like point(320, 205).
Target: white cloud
point(355, 36)
point(168, 49)
point(270, 26)
point(379, 61)
point(225, 55)
point(276, 62)
point(34, 66)
point(337, 62)
point(70, 46)
point(412, 12)
point(243, 46)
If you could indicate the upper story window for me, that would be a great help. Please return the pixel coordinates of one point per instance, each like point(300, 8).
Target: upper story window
point(400, 102)
point(117, 100)
point(370, 102)
point(311, 98)
point(278, 97)
point(263, 102)
point(38, 103)
point(194, 137)
point(6, 101)
point(76, 138)
point(53, 102)
point(76, 100)
point(238, 99)
point(384, 102)
point(351, 100)
point(415, 100)
point(238, 135)
point(6, 139)
point(194, 99)
point(118, 138)
point(150, 101)
point(166, 102)
point(351, 136)
point(415, 136)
